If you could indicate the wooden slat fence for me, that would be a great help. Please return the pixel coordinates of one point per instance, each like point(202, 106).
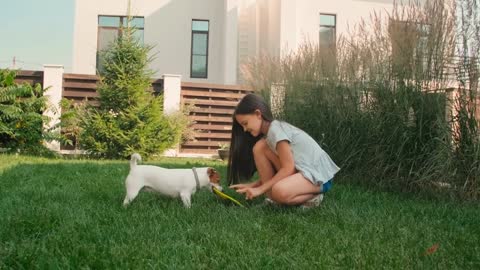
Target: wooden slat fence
point(78, 87)
point(212, 114)
point(30, 77)
point(212, 111)
point(81, 87)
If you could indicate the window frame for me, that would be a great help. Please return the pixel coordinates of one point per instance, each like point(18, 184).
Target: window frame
point(422, 30)
point(191, 48)
point(328, 26)
point(118, 28)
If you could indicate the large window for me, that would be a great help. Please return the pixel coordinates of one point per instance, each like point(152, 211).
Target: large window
point(327, 43)
point(409, 47)
point(199, 52)
point(327, 39)
point(110, 27)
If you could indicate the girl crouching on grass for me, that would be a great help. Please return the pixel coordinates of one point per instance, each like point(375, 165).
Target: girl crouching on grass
point(293, 169)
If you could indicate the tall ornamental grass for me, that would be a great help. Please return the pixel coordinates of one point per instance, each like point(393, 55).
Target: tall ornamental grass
point(389, 101)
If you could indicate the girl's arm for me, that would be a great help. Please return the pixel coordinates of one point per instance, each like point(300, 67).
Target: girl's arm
point(249, 185)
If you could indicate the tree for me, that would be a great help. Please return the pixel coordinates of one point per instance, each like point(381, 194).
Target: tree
point(130, 116)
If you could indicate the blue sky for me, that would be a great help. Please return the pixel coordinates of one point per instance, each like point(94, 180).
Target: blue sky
point(36, 32)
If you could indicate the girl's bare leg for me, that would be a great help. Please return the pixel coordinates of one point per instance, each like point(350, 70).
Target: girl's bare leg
point(266, 161)
point(294, 190)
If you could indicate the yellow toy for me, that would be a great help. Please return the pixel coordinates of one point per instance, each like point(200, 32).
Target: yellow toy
point(224, 196)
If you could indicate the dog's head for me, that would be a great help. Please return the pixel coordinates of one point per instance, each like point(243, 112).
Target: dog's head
point(214, 177)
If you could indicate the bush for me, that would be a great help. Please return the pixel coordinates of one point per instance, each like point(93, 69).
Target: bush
point(21, 113)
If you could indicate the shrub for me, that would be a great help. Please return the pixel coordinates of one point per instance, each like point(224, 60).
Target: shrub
point(21, 113)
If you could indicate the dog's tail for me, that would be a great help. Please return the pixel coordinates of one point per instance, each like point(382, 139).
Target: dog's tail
point(133, 160)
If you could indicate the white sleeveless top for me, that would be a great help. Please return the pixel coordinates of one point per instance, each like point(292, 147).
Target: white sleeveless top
point(310, 159)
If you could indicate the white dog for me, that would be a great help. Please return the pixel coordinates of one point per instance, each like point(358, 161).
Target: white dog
point(171, 182)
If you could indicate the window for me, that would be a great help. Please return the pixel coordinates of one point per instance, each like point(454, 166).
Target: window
point(327, 43)
point(109, 28)
point(327, 38)
point(409, 47)
point(199, 52)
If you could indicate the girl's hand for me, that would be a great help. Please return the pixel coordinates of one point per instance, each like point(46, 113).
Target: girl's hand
point(243, 186)
point(239, 186)
point(250, 192)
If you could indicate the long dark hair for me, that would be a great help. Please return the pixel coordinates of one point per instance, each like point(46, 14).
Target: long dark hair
point(241, 165)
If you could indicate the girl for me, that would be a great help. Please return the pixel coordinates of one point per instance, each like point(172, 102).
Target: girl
point(292, 168)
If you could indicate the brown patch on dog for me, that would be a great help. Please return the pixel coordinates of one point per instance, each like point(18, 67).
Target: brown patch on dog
point(214, 175)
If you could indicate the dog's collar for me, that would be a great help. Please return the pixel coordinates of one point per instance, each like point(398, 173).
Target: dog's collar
point(196, 177)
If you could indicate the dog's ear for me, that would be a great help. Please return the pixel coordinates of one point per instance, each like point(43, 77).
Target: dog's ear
point(210, 172)
point(213, 175)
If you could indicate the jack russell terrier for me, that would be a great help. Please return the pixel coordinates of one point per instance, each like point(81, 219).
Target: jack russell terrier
point(171, 182)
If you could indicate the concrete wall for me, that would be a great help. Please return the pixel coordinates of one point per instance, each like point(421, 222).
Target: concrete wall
point(230, 48)
point(168, 28)
point(348, 13)
point(53, 80)
point(278, 27)
point(239, 30)
point(299, 20)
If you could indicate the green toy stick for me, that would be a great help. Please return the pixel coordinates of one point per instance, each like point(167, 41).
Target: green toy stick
point(224, 196)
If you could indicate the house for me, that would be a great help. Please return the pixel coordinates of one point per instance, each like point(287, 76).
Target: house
point(209, 40)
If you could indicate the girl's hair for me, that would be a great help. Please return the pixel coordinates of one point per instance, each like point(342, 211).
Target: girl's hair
point(241, 165)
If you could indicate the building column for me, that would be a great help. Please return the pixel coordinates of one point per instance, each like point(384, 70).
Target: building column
point(171, 93)
point(53, 80)
point(230, 47)
point(172, 87)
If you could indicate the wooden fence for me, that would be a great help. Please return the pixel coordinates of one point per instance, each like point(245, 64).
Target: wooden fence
point(211, 113)
point(30, 77)
point(78, 87)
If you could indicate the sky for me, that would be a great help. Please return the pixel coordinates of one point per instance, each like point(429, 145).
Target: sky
point(36, 32)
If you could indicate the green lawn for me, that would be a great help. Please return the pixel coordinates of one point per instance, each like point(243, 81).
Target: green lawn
point(61, 214)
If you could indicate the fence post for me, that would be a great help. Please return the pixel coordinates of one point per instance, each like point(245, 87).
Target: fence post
point(171, 103)
point(53, 80)
point(171, 93)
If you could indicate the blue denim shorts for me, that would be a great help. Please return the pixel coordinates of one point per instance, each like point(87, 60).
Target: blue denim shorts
point(327, 186)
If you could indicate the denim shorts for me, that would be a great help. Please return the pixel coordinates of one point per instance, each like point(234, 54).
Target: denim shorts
point(327, 186)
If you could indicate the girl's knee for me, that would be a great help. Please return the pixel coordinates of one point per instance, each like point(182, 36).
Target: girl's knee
point(260, 147)
point(280, 194)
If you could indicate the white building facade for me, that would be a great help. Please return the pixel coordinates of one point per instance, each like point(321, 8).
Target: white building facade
point(208, 40)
